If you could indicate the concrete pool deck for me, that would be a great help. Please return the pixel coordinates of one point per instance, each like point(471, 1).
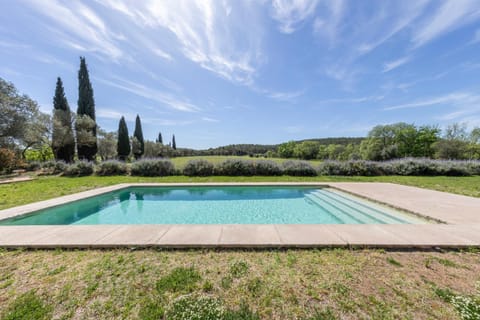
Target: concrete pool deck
point(460, 228)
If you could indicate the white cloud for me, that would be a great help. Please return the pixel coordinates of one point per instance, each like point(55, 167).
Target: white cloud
point(476, 37)
point(285, 96)
point(451, 15)
point(152, 94)
point(328, 21)
point(463, 100)
point(79, 27)
point(208, 119)
point(205, 30)
point(389, 66)
point(290, 14)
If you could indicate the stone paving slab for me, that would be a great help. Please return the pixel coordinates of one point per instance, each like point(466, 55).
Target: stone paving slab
point(180, 236)
point(443, 206)
point(308, 235)
point(141, 235)
point(249, 235)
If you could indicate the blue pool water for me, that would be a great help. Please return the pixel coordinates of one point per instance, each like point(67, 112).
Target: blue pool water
point(217, 205)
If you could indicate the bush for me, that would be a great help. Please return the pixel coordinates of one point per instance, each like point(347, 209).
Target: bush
point(298, 168)
point(235, 167)
point(267, 168)
point(152, 168)
point(111, 168)
point(33, 165)
point(350, 168)
point(79, 169)
point(196, 307)
point(198, 167)
point(7, 160)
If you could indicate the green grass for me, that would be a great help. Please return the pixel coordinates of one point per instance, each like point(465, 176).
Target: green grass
point(321, 284)
point(49, 187)
point(180, 162)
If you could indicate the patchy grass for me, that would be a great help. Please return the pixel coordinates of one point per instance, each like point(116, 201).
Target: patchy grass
point(320, 284)
point(49, 187)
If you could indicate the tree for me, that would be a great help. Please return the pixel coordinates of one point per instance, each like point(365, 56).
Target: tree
point(63, 141)
point(160, 139)
point(138, 134)
point(286, 150)
point(107, 144)
point(306, 150)
point(123, 144)
point(22, 125)
point(87, 148)
point(174, 144)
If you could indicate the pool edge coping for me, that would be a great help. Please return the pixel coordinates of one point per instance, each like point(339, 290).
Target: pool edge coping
point(454, 236)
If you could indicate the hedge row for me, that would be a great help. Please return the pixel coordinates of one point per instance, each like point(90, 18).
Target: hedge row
point(242, 167)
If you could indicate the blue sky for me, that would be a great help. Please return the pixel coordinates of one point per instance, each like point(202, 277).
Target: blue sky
point(221, 72)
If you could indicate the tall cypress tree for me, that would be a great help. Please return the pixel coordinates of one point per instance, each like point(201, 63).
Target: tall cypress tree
point(63, 141)
point(86, 127)
point(123, 144)
point(174, 144)
point(138, 134)
point(160, 140)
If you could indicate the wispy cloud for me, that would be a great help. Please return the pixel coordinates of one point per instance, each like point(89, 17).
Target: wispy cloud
point(208, 119)
point(80, 27)
point(205, 32)
point(456, 99)
point(285, 96)
point(151, 94)
point(290, 14)
point(389, 66)
point(451, 15)
point(328, 22)
point(476, 37)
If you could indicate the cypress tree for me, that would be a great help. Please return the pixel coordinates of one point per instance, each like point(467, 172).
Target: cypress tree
point(63, 141)
point(160, 140)
point(174, 144)
point(138, 152)
point(87, 139)
point(123, 144)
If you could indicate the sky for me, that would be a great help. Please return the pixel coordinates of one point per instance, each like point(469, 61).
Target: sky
point(218, 72)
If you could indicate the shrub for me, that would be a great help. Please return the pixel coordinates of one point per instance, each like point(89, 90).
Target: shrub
point(235, 167)
point(298, 168)
point(196, 307)
point(267, 168)
point(152, 168)
point(350, 168)
point(79, 169)
point(111, 168)
point(198, 167)
point(7, 160)
point(33, 165)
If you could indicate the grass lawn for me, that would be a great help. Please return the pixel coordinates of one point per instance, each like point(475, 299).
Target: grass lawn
point(243, 284)
point(180, 162)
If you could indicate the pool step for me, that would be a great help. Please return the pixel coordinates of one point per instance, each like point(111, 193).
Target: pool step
point(341, 215)
point(359, 205)
point(355, 211)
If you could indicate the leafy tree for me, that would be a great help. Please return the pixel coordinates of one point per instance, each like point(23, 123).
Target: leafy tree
point(174, 144)
point(138, 134)
point(287, 149)
point(454, 143)
point(306, 150)
point(63, 141)
point(159, 139)
point(107, 144)
point(123, 144)
point(22, 125)
point(152, 149)
point(87, 148)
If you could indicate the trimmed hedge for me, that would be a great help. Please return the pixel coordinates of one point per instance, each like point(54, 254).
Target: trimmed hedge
point(298, 169)
point(198, 168)
point(267, 168)
point(111, 168)
point(235, 167)
point(78, 169)
point(152, 168)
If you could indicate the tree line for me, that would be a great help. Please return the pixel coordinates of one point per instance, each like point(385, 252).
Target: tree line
point(393, 141)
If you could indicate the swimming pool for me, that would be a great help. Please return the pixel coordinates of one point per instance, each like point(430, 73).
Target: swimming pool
point(217, 205)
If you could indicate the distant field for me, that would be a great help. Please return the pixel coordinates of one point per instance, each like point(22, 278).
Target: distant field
point(180, 162)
